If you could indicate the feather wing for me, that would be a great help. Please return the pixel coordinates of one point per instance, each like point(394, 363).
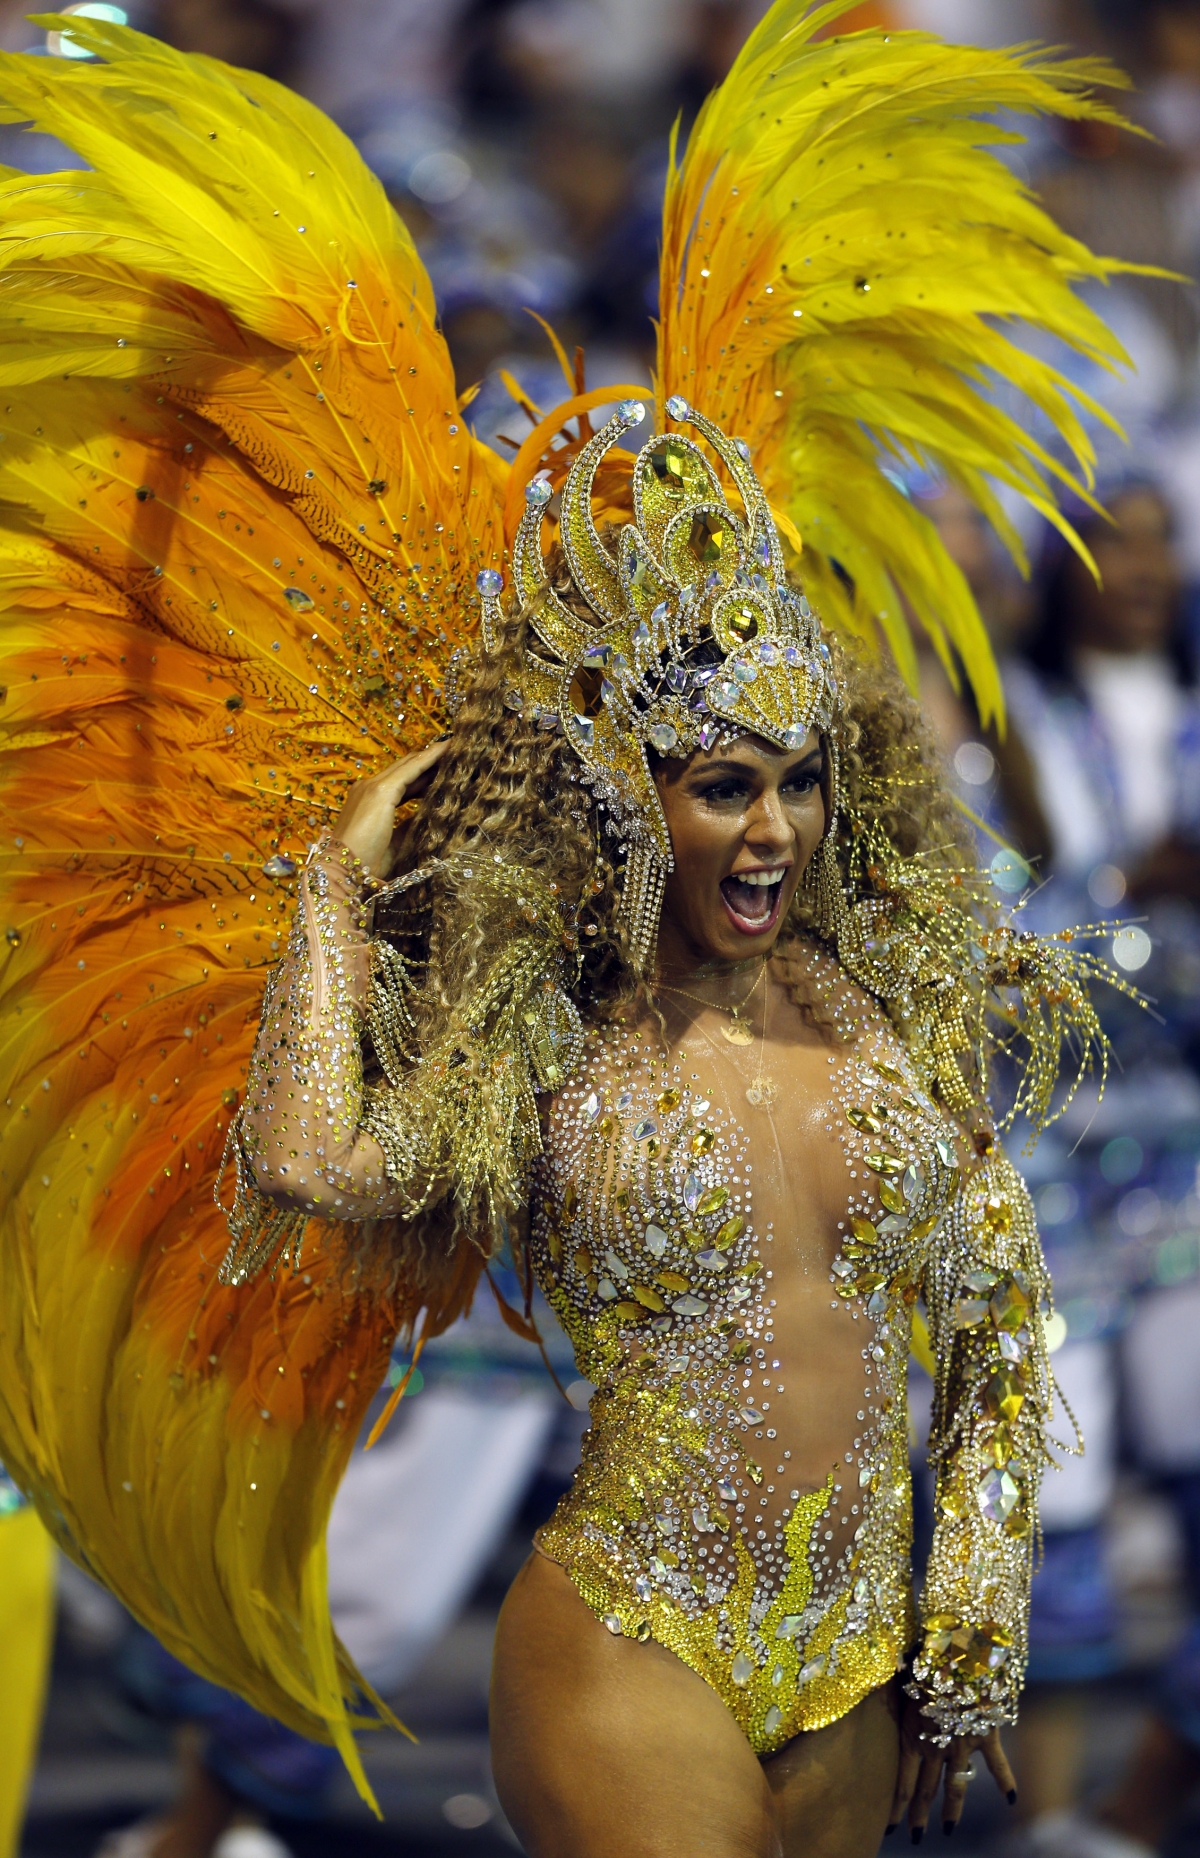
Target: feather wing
point(239, 517)
point(841, 256)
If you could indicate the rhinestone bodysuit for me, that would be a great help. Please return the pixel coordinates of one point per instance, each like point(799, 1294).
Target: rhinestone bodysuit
point(735, 1239)
point(739, 1504)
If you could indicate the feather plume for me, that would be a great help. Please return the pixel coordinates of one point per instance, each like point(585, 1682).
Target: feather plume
point(841, 254)
point(241, 519)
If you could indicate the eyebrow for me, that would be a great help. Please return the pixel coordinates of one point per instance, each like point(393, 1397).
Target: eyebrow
point(726, 766)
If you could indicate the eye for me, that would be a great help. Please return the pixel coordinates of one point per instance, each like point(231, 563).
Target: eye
point(722, 792)
point(801, 785)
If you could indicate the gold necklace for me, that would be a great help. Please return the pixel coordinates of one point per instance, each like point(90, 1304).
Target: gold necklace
point(738, 1031)
point(761, 1092)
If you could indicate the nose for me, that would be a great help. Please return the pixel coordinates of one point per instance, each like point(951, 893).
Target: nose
point(769, 831)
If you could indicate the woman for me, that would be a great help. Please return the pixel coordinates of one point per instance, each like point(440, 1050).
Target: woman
point(745, 1172)
point(684, 993)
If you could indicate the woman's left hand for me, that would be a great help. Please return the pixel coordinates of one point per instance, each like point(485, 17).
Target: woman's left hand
point(924, 1768)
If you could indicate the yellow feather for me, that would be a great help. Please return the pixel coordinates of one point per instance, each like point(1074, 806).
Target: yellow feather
point(841, 252)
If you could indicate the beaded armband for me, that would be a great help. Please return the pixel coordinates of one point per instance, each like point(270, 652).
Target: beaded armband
point(985, 1285)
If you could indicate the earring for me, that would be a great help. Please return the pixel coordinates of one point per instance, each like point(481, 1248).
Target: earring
point(823, 877)
point(641, 901)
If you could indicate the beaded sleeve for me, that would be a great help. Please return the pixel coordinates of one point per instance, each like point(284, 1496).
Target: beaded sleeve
point(297, 1145)
point(458, 1117)
point(985, 1285)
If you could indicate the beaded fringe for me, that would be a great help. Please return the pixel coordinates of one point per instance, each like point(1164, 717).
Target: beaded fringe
point(641, 901)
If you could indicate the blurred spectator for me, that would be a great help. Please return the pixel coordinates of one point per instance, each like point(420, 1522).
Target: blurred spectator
point(1105, 697)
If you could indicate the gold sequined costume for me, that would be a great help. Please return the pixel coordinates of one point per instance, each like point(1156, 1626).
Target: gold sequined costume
point(251, 550)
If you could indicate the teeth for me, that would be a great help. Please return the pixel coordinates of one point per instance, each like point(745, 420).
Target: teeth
point(761, 877)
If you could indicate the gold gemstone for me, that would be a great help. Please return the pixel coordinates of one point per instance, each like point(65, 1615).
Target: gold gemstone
point(592, 1282)
point(676, 469)
point(869, 1281)
point(584, 695)
point(654, 1148)
point(997, 1214)
point(1001, 1446)
point(864, 1229)
point(668, 1100)
point(882, 1161)
point(672, 1280)
point(711, 539)
point(891, 1196)
point(888, 1071)
point(554, 1244)
point(731, 1230)
point(1010, 1305)
point(570, 1201)
point(751, 1269)
point(703, 1142)
point(583, 1259)
point(754, 1471)
point(863, 1119)
point(622, 1199)
point(712, 1201)
point(1017, 1523)
point(628, 1310)
point(649, 1297)
point(743, 622)
point(669, 1556)
point(695, 1239)
point(921, 1228)
point(952, 1501)
point(1004, 1396)
point(739, 1351)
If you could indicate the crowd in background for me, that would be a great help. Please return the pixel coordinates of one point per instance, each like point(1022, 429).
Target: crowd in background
point(525, 144)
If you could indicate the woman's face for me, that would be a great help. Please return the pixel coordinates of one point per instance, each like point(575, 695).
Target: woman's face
point(744, 818)
point(1134, 608)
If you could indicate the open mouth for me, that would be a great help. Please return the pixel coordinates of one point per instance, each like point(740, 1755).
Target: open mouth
point(752, 898)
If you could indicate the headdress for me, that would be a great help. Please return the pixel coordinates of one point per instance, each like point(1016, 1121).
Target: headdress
point(697, 630)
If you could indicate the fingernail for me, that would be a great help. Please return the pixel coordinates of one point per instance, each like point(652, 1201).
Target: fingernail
point(918, 1833)
point(1011, 1796)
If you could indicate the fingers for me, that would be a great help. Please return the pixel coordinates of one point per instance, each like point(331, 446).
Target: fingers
point(928, 1781)
point(958, 1778)
point(906, 1780)
point(400, 781)
point(992, 1750)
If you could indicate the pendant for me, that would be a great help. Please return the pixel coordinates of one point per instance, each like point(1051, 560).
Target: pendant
point(737, 1032)
point(762, 1092)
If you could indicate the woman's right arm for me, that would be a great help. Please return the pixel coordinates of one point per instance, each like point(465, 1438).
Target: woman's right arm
point(302, 1145)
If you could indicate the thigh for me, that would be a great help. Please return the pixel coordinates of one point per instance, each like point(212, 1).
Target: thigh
point(605, 1748)
point(833, 1787)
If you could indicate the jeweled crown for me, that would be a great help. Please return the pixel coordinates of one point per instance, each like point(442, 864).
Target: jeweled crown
point(697, 633)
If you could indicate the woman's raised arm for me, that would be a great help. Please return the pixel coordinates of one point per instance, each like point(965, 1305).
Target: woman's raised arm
point(300, 1146)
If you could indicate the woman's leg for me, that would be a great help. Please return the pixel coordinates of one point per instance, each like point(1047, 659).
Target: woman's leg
point(603, 1748)
point(833, 1787)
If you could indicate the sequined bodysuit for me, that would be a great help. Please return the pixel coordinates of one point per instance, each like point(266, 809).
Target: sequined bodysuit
point(744, 1491)
point(734, 1239)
